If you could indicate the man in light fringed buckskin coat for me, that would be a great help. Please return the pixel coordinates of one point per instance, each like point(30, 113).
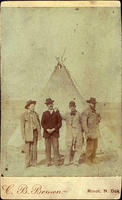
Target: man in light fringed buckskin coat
point(31, 130)
point(74, 134)
point(91, 120)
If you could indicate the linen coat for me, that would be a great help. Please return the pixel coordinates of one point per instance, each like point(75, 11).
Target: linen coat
point(73, 127)
point(27, 126)
point(91, 120)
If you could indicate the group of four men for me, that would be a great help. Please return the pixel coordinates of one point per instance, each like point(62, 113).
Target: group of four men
point(77, 125)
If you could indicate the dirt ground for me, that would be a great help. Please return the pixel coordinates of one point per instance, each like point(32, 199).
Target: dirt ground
point(107, 164)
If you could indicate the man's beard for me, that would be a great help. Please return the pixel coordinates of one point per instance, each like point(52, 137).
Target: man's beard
point(92, 107)
point(73, 112)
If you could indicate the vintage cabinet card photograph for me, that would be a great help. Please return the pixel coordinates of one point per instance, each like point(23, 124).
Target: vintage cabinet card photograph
point(61, 100)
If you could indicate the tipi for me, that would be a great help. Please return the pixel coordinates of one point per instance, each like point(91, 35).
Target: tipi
point(61, 88)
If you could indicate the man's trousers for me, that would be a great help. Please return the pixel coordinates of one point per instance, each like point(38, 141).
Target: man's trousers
point(31, 150)
point(54, 143)
point(91, 148)
point(77, 152)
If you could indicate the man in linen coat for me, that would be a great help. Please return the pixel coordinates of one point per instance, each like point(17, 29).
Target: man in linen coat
point(74, 134)
point(91, 120)
point(31, 129)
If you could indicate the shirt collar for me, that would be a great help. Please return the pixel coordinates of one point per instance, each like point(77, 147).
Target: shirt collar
point(50, 111)
point(30, 112)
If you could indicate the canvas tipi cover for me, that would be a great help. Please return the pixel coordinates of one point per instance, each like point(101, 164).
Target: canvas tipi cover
point(62, 90)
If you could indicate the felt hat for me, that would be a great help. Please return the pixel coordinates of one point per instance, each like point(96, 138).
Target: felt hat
point(92, 100)
point(28, 103)
point(49, 101)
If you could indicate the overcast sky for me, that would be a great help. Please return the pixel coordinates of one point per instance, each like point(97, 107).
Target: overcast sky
point(32, 37)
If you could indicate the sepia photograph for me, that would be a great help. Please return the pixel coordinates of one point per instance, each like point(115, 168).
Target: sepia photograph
point(61, 92)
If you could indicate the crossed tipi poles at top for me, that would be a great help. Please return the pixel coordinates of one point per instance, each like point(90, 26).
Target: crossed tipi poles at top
point(60, 60)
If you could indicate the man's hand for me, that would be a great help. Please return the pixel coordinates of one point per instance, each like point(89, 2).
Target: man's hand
point(53, 129)
point(86, 136)
point(50, 130)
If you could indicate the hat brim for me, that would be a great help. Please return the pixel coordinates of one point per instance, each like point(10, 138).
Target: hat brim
point(27, 105)
point(47, 103)
point(93, 102)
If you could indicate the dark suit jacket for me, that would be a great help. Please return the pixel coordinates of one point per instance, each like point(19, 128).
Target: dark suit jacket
point(50, 121)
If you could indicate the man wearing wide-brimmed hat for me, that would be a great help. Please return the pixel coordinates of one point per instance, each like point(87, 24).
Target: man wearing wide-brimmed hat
point(91, 120)
point(31, 129)
point(51, 122)
point(74, 134)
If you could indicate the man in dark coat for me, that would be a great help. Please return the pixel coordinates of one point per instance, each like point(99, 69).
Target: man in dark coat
point(51, 122)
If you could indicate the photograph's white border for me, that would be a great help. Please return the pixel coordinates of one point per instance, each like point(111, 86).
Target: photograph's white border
point(60, 4)
point(79, 185)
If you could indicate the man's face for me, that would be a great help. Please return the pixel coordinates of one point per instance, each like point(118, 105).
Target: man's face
point(50, 106)
point(92, 106)
point(32, 107)
point(72, 108)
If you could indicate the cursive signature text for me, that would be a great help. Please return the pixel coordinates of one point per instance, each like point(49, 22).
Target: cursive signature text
point(24, 189)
